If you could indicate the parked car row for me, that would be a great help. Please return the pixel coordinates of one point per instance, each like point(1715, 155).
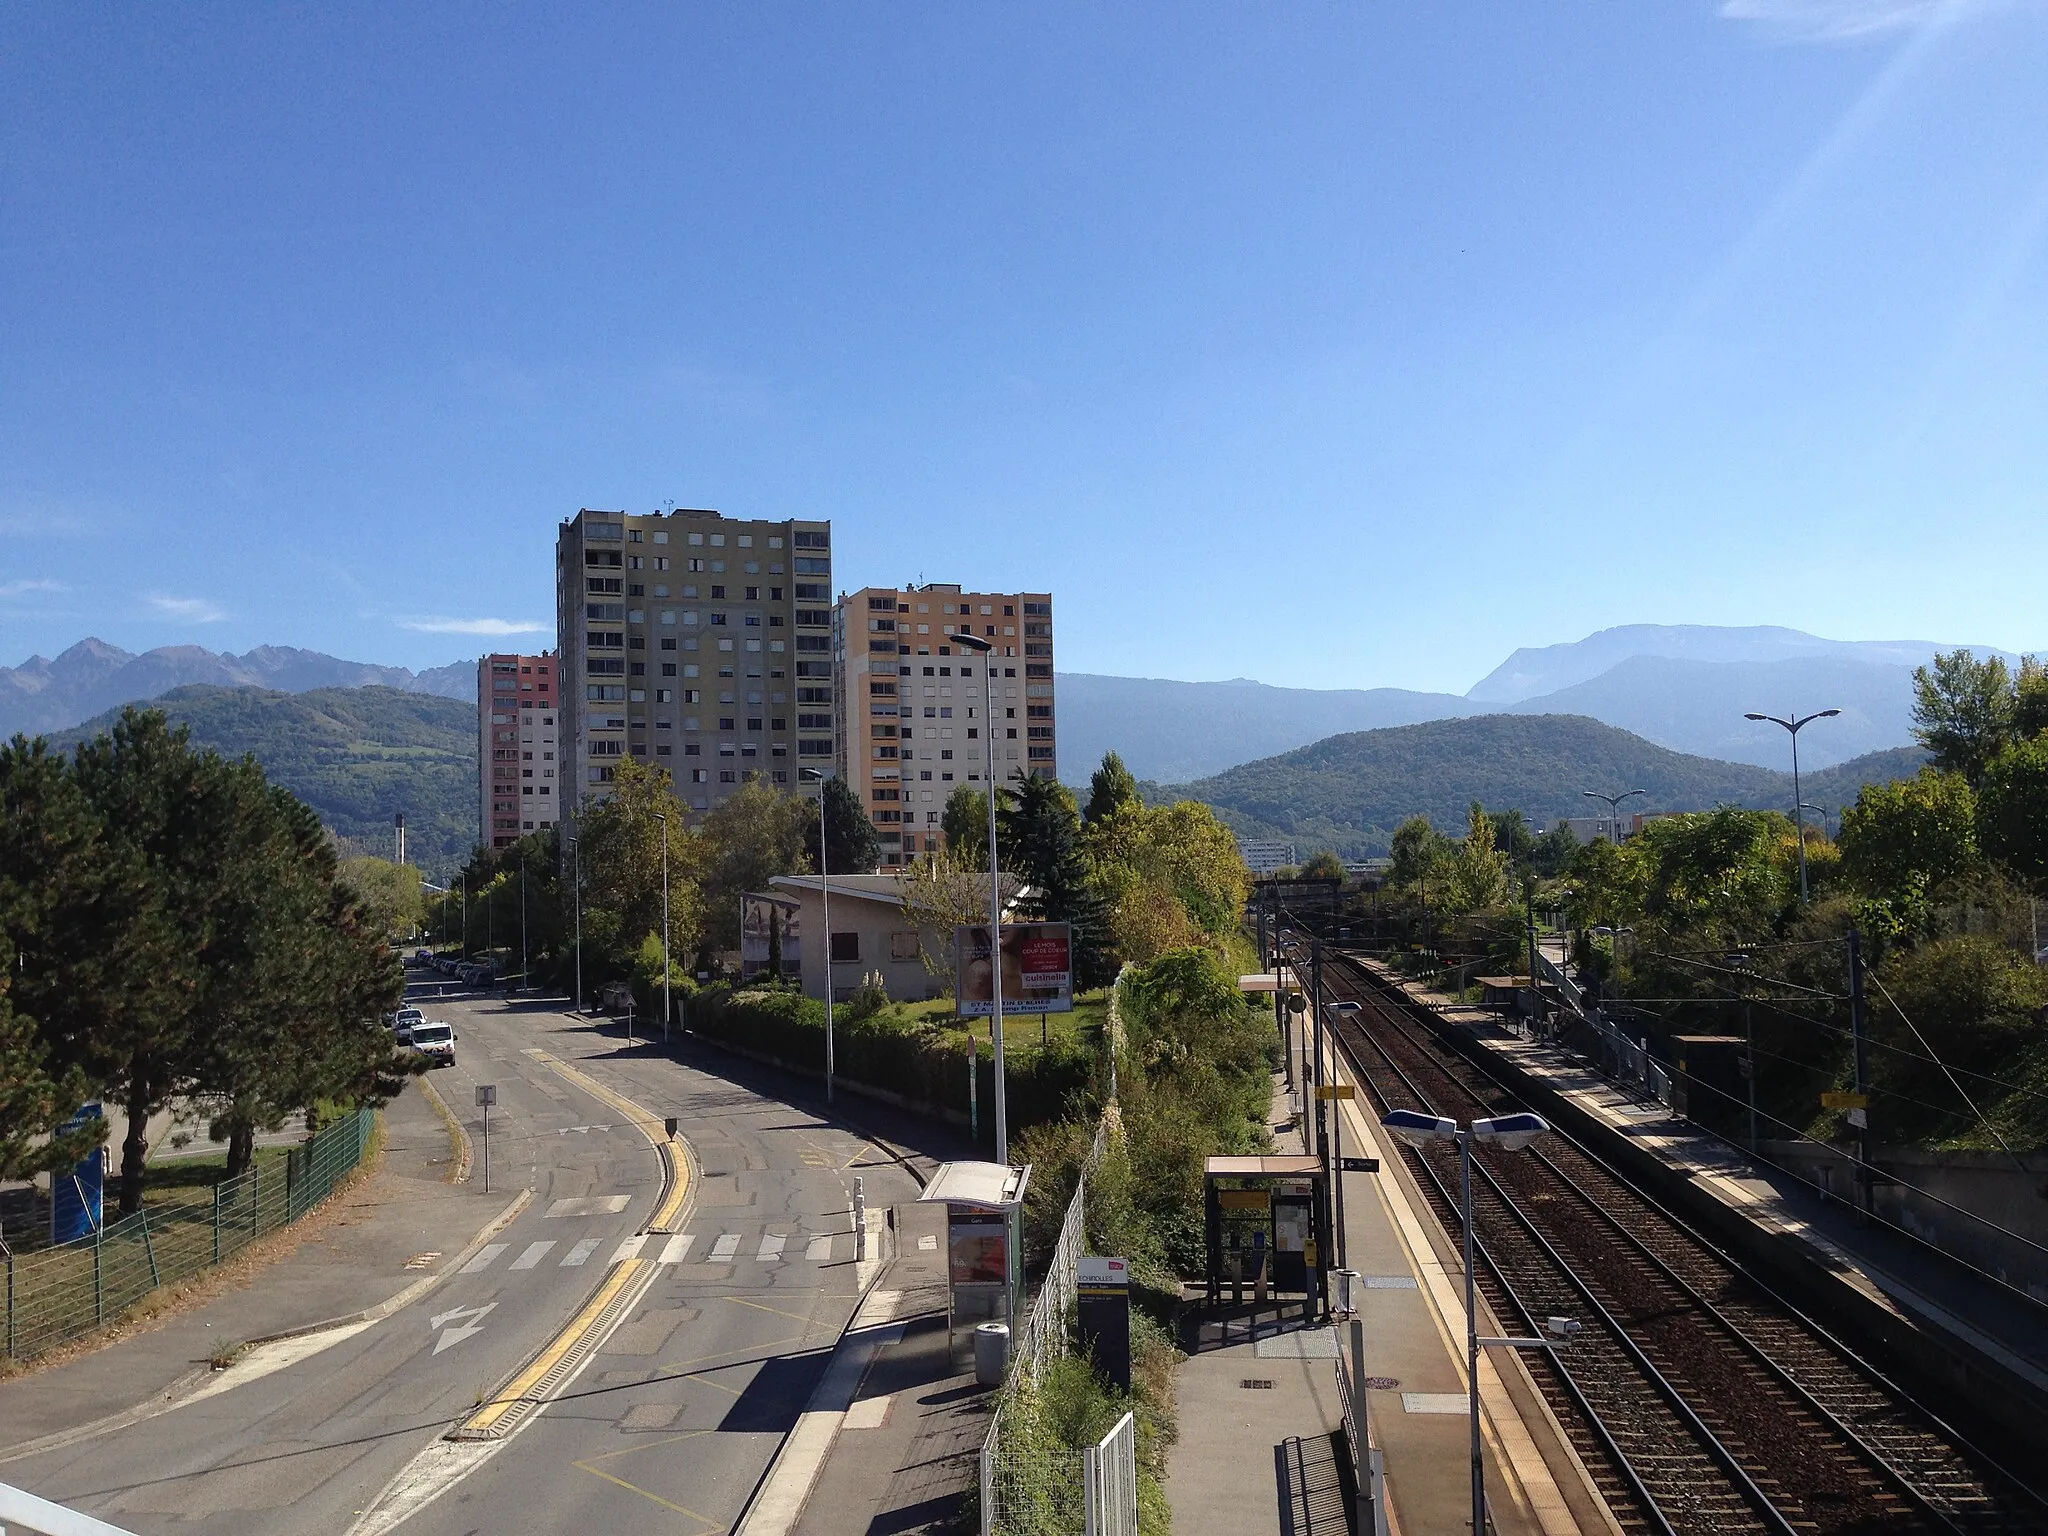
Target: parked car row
point(471, 973)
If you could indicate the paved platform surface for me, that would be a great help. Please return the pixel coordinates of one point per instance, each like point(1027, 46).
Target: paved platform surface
point(1887, 1268)
point(353, 1257)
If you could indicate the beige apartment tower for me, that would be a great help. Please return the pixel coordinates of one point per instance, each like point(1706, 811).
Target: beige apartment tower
point(699, 643)
point(913, 717)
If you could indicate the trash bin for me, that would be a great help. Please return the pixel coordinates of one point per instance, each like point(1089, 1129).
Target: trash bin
point(991, 1353)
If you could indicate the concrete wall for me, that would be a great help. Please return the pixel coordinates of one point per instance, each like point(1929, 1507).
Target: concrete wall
point(1982, 1184)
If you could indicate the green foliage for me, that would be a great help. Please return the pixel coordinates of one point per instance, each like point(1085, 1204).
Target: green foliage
point(1964, 711)
point(1978, 1005)
point(393, 902)
point(1039, 835)
point(1910, 834)
point(965, 823)
point(180, 926)
point(1323, 866)
point(852, 845)
point(1169, 876)
point(754, 834)
point(35, 1098)
point(621, 849)
point(1477, 871)
point(1111, 788)
point(1513, 836)
point(2012, 809)
point(1553, 851)
point(357, 756)
point(1418, 850)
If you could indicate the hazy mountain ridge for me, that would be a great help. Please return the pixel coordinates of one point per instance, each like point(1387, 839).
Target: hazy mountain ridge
point(43, 695)
point(1349, 792)
point(358, 756)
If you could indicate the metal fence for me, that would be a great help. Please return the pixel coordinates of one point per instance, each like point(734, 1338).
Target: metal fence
point(1368, 1463)
point(58, 1294)
point(1627, 1061)
point(1109, 1475)
point(1014, 1495)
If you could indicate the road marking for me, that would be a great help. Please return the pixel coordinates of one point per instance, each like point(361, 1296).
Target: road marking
point(422, 1260)
point(673, 1250)
point(579, 1130)
point(630, 1248)
point(486, 1256)
point(727, 1245)
point(487, 1417)
point(819, 1248)
point(771, 1246)
point(457, 1335)
point(816, 1159)
point(590, 1205)
point(579, 1254)
point(534, 1253)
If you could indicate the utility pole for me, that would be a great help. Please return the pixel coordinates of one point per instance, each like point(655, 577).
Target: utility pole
point(522, 915)
point(576, 866)
point(1324, 1077)
point(1859, 1117)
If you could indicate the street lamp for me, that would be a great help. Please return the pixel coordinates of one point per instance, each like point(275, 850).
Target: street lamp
point(1613, 810)
point(817, 776)
point(1511, 1133)
point(1793, 726)
point(666, 966)
point(576, 866)
point(995, 885)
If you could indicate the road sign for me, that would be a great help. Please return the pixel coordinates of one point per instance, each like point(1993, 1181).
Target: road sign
point(486, 1095)
point(1838, 1100)
point(1336, 1091)
point(1359, 1164)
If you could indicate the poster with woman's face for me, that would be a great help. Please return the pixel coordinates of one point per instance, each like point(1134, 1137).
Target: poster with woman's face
point(1037, 969)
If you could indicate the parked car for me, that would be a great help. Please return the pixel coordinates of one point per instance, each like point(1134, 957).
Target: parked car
point(435, 1041)
point(403, 1021)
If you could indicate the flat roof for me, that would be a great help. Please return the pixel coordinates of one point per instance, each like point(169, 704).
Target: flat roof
point(1259, 983)
point(1258, 1167)
point(986, 1186)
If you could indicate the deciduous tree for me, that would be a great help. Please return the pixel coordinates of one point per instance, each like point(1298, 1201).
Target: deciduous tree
point(1910, 833)
point(1964, 711)
point(753, 835)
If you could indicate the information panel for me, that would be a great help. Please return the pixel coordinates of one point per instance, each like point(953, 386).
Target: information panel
point(1038, 969)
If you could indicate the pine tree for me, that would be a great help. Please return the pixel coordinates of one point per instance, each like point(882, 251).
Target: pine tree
point(1111, 788)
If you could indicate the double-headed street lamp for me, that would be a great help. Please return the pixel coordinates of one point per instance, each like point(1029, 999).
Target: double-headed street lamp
point(1613, 810)
point(666, 967)
point(984, 648)
point(817, 776)
point(1510, 1133)
point(1792, 727)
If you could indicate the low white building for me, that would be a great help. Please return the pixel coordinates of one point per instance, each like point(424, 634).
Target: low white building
point(871, 932)
point(1264, 855)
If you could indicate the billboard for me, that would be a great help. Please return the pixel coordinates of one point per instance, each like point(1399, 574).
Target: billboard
point(1038, 969)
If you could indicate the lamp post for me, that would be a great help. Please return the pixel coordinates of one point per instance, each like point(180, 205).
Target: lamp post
point(576, 878)
point(522, 916)
point(817, 776)
point(1510, 1133)
point(1613, 810)
point(1793, 727)
point(666, 967)
point(984, 648)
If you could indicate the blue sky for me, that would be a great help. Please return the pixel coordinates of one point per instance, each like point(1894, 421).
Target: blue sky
point(1339, 345)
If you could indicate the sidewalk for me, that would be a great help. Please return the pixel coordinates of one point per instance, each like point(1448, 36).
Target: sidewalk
point(349, 1255)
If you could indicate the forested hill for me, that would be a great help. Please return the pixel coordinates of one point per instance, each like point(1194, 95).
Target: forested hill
point(1349, 792)
point(357, 756)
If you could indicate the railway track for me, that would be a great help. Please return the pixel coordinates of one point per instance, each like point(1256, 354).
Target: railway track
point(1700, 1401)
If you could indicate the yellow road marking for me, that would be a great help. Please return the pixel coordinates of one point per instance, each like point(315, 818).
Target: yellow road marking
point(487, 1417)
point(709, 1525)
point(758, 1306)
point(720, 1354)
point(653, 1127)
point(857, 1152)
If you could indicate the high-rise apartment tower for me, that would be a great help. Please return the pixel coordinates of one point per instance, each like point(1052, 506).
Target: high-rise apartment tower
point(516, 708)
point(699, 643)
point(913, 712)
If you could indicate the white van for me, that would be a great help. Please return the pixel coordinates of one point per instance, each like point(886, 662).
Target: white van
point(435, 1041)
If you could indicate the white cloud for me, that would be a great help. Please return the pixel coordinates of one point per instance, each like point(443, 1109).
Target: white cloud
point(23, 588)
point(193, 610)
point(440, 626)
point(1844, 21)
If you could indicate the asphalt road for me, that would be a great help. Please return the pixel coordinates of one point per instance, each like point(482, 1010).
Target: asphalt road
point(667, 1428)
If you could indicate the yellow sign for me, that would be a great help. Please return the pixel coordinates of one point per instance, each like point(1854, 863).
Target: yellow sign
point(1336, 1091)
point(1833, 1100)
point(1244, 1199)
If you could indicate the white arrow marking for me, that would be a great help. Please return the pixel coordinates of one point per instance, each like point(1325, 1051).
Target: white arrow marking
point(457, 1335)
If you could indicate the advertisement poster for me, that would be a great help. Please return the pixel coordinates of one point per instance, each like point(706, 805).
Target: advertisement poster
point(1038, 969)
point(978, 1247)
point(771, 935)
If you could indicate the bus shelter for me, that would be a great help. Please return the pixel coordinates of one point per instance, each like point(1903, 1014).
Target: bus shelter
point(984, 1244)
point(1262, 1220)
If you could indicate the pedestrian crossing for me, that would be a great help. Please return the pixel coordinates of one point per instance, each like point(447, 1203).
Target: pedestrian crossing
point(670, 1248)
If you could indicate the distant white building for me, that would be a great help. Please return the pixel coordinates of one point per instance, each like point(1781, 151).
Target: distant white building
point(1264, 855)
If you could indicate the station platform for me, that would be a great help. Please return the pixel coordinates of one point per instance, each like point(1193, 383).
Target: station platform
point(1263, 1458)
point(1949, 1321)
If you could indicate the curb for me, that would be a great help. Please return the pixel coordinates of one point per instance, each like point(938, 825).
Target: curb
point(465, 1149)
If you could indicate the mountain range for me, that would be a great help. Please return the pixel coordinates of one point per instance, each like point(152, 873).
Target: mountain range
point(41, 695)
point(1684, 687)
point(1348, 792)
